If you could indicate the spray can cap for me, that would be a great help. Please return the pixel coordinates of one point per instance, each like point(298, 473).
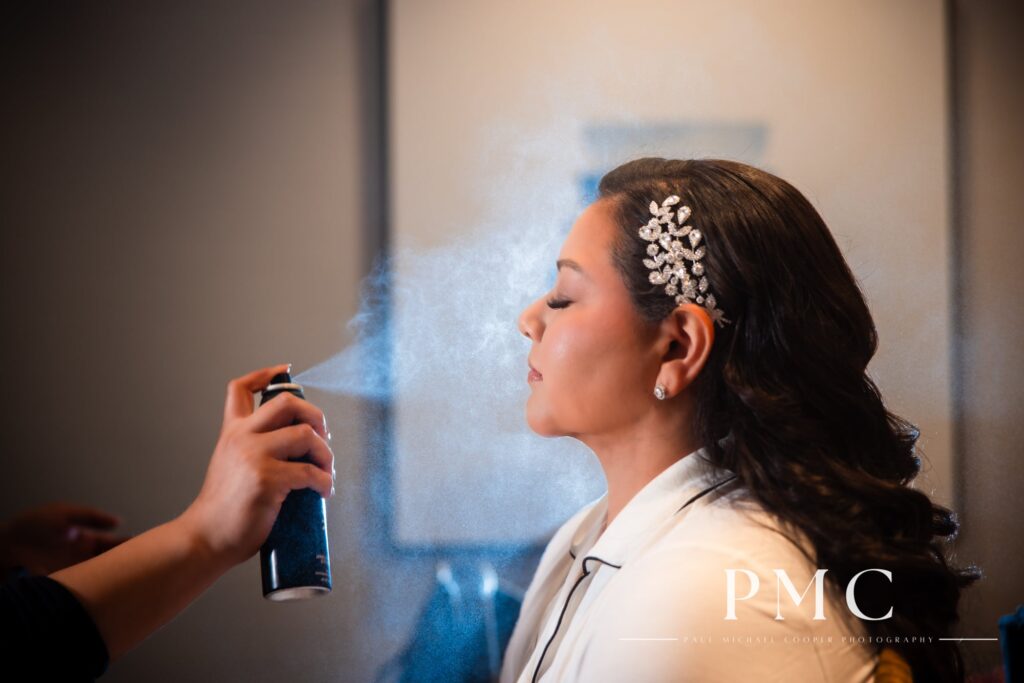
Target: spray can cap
point(282, 381)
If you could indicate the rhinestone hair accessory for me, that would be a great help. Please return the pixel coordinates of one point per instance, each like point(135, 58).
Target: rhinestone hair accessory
point(669, 256)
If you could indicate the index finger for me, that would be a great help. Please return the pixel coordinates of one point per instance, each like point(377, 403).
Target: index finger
point(239, 402)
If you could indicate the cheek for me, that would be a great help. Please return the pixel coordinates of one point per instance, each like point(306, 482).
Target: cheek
point(591, 370)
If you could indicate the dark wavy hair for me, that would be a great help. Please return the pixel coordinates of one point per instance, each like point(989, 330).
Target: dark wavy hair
point(785, 401)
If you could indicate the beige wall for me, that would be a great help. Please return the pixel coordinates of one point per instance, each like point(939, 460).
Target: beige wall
point(990, 108)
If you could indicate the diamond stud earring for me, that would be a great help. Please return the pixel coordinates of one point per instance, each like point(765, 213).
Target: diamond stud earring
point(659, 392)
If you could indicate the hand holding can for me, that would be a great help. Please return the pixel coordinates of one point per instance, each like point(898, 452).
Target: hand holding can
point(261, 456)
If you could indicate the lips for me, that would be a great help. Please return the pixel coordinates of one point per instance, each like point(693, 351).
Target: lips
point(534, 376)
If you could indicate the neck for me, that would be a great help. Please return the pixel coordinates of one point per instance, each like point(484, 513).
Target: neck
point(633, 456)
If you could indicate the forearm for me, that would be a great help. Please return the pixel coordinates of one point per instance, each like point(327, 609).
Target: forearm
point(136, 587)
point(133, 589)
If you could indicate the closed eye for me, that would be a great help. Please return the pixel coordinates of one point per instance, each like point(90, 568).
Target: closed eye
point(558, 303)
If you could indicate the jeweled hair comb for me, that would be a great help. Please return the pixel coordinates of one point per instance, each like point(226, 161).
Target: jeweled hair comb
point(669, 256)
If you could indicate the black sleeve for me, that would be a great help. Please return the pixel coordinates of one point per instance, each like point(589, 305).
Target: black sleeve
point(47, 634)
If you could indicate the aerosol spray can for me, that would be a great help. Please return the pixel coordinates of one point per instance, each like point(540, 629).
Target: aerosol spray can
point(294, 562)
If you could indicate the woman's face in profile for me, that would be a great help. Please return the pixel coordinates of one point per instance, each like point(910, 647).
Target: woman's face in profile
point(593, 351)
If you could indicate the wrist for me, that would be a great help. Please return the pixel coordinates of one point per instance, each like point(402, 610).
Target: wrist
point(199, 546)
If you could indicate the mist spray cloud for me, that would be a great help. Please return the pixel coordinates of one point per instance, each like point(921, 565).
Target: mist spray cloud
point(436, 336)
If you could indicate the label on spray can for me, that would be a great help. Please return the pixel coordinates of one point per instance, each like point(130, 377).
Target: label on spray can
point(294, 560)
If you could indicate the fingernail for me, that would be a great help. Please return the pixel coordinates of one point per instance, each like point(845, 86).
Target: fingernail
point(332, 489)
point(328, 435)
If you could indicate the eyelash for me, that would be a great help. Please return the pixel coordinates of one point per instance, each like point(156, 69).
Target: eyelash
point(558, 303)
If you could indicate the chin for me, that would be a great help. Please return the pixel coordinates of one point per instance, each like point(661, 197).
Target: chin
point(541, 422)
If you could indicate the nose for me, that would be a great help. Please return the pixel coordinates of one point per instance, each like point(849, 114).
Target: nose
point(530, 323)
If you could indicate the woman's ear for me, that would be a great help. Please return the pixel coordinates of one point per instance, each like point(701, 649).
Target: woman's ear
point(686, 337)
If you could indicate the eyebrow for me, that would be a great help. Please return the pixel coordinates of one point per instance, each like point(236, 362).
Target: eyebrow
point(569, 263)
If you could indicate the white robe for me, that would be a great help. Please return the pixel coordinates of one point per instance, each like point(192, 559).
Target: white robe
point(651, 605)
